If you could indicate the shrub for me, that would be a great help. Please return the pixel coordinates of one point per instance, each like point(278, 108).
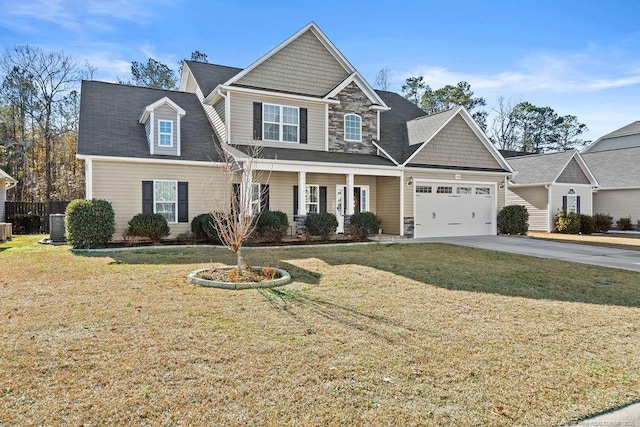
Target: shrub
point(362, 225)
point(568, 223)
point(624, 224)
point(89, 223)
point(271, 226)
point(153, 226)
point(29, 223)
point(513, 219)
point(603, 222)
point(203, 229)
point(587, 224)
point(321, 224)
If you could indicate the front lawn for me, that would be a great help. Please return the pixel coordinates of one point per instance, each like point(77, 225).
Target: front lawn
point(421, 334)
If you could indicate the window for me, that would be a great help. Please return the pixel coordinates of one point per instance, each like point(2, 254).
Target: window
point(444, 190)
point(572, 201)
point(165, 133)
point(483, 190)
point(312, 198)
point(280, 123)
point(423, 189)
point(352, 127)
point(165, 199)
point(463, 190)
point(255, 199)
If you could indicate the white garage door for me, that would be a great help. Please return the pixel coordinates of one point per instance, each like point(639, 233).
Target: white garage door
point(454, 209)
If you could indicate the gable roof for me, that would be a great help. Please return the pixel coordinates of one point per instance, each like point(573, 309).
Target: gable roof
point(311, 26)
point(164, 101)
point(630, 129)
point(364, 87)
point(546, 168)
point(615, 168)
point(9, 181)
point(109, 123)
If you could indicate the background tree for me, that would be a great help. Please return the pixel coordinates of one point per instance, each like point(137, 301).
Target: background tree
point(444, 98)
point(503, 126)
point(38, 91)
point(383, 79)
point(153, 74)
point(568, 134)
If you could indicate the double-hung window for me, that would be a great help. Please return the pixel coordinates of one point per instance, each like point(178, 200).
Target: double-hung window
point(312, 198)
point(280, 123)
point(165, 199)
point(165, 133)
point(572, 201)
point(352, 127)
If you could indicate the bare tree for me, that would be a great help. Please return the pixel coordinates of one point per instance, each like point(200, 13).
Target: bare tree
point(383, 79)
point(236, 224)
point(503, 131)
point(52, 77)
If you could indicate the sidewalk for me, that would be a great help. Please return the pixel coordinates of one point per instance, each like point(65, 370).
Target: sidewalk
point(629, 416)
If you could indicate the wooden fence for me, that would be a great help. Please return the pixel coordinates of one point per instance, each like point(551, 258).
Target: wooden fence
point(42, 209)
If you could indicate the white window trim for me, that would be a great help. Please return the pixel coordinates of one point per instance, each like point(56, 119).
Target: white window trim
point(572, 195)
point(281, 124)
point(307, 195)
point(176, 203)
point(345, 127)
point(160, 133)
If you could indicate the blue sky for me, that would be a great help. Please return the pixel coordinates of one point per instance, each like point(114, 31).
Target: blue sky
point(580, 58)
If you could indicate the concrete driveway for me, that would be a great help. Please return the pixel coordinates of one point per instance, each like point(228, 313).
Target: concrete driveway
point(573, 252)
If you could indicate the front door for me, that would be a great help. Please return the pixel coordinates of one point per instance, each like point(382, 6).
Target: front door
point(360, 203)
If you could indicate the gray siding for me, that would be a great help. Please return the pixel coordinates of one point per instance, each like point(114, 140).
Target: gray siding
point(164, 112)
point(535, 199)
point(304, 66)
point(627, 141)
point(618, 203)
point(242, 121)
point(352, 100)
point(573, 174)
point(456, 145)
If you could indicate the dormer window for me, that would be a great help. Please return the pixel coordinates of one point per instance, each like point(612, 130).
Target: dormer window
point(352, 128)
point(165, 133)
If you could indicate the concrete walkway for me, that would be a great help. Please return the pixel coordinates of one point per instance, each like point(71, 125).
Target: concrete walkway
point(573, 252)
point(627, 416)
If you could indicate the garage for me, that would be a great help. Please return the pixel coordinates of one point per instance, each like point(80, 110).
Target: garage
point(454, 209)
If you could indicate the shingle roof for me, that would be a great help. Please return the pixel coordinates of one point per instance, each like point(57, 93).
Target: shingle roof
point(109, 124)
point(394, 137)
point(423, 128)
point(318, 156)
point(539, 168)
point(630, 129)
point(208, 76)
point(615, 168)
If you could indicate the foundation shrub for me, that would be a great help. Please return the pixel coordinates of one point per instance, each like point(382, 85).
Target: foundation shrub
point(513, 219)
point(89, 223)
point(362, 225)
point(567, 223)
point(152, 226)
point(603, 222)
point(322, 224)
point(271, 226)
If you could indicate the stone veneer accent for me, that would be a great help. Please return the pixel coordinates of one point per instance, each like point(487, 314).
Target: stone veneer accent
point(347, 224)
point(409, 225)
point(352, 100)
point(298, 221)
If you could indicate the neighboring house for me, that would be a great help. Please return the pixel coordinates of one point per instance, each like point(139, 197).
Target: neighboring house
point(329, 142)
point(548, 183)
point(6, 182)
point(614, 160)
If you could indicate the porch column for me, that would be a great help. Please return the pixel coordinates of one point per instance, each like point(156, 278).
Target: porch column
point(302, 185)
point(348, 198)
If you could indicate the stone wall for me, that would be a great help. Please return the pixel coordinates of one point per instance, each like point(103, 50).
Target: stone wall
point(409, 225)
point(352, 100)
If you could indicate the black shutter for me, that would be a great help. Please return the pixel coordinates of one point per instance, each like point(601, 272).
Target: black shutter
point(183, 202)
point(264, 197)
point(323, 199)
point(295, 200)
point(257, 120)
point(564, 204)
point(303, 126)
point(235, 201)
point(578, 204)
point(147, 196)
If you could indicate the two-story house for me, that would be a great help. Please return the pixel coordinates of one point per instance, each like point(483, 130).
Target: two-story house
point(328, 142)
